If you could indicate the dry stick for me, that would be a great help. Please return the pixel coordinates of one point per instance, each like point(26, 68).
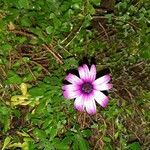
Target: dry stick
point(40, 58)
point(112, 136)
point(103, 30)
point(9, 64)
point(100, 34)
point(113, 130)
point(84, 119)
point(64, 40)
point(136, 65)
point(64, 49)
point(73, 37)
point(57, 43)
point(3, 94)
point(114, 18)
point(56, 52)
point(130, 95)
point(100, 139)
point(59, 57)
point(133, 25)
point(41, 67)
point(3, 71)
point(24, 34)
point(56, 56)
point(74, 30)
point(29, 36)
point(99, 17)
point(28, 67)
point(137, 136)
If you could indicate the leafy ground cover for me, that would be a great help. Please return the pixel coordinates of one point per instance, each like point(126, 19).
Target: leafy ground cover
point(41, 40)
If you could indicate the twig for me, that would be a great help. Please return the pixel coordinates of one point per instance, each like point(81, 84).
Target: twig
point(130, 95)
point(103, 30)
point(41, 67)
point(64, 49)
point(56, 56)
point(136, 65)
point(3, 71)
point(75, 31)
point(100, 139)
point(9, 64)
point(28, 67)
point(116, 19)
point(74, 36)
point(84, 119)
point(56, 52)
point(40, 58)
point(137, 136)
point(24, 34)
point(99, 17)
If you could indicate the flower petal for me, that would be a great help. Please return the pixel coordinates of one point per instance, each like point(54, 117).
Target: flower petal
point(101, 98)
point(84, 72)
point(103, 87)
point(103, 79)
point(71, 87)
point(90, 105)
point(79, 103)
point(73, 79)
point(92, 73)
point(71, 94)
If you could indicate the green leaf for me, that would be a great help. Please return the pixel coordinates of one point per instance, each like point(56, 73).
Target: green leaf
point(27, 78)
point(96, 2)
point(39, 33)
point(6, 123)
point(91, 9)
point(87, 133)
point(75, 145)
point(49, 29)
point(53, 132)
point(6, 48)
point(106, 139)
point(146, 53)
point(6, 142)
point(39, 133)
point(13, 78)
point(37, 91)
point(61, 146)
point(4, 110)
point(135, 146)
point(23, 4)
point(83, 144)
point(25, 21)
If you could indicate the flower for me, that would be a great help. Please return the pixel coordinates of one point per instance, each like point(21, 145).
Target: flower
point(87, 89)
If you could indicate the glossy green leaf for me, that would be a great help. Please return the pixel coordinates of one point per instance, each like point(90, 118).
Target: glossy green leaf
point(23, 3)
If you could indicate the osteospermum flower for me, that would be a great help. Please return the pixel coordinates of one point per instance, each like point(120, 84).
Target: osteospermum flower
point(87, 89)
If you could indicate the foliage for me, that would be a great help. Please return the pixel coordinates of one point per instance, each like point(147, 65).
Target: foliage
point(40, 40)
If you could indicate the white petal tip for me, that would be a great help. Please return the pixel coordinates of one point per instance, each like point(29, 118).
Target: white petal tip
point(105, 102)
point(92, 112)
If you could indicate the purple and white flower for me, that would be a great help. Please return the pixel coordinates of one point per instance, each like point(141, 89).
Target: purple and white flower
point(87, 89)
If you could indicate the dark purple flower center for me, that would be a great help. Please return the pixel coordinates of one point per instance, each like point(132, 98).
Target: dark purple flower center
point(87, 87)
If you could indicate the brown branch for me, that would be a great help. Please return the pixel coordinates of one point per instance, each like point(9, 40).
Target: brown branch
point(29, 69)
point(28, 35)
point(64, 49)
point(34, 77)
point(41, 67)
point(72, 35)
point(103, 30)
point(57, 56)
